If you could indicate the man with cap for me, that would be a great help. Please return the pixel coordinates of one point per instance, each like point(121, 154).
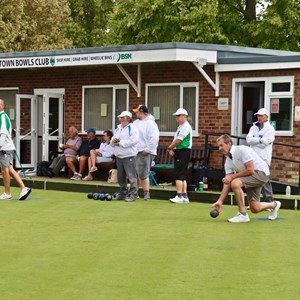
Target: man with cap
point(260, 138)
point(124, 141)
point(83, 154)
point(147, 146)
point(180, 148)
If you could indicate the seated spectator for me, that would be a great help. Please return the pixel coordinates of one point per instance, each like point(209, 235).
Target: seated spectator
point(70, 149)
point(103, 154)
point(83, 154)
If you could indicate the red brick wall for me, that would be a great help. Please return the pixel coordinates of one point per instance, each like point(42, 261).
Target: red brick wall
point(210, 119)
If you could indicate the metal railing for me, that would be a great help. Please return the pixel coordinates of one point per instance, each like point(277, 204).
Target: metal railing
point(241, 138)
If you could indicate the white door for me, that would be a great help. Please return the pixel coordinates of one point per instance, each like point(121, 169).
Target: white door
point(247, 99)
point(26, 134)
point(53, 131)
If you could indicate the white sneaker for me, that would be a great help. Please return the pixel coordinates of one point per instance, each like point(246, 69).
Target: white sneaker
point(177, 199)
point(25, 193)
point(274, 211)
point(185, 200)
point(5, 196)
point(239, 218)
point(76, 176)
point(93, 169)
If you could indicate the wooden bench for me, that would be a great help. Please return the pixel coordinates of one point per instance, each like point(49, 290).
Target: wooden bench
point(100, 174)
point(103, 170)
point(294, 198)
point(230, 197)
point(164, 164)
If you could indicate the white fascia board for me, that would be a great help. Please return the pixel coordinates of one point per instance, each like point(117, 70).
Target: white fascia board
point(109, 58)
point(196, 55)
point(254, 67)
point(172, 55)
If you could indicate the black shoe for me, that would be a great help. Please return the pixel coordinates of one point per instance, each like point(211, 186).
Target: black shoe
point(47, 172)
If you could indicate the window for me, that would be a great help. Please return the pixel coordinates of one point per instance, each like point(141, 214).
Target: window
point(281, 87)
point(280, 98)
point(281, 113)
point(164, 99)
point(102, 105)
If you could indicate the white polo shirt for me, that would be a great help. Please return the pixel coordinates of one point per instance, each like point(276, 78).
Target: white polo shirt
point(241, 155)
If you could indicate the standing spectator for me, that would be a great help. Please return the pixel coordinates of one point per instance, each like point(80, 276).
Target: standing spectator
point(244, 169)
point(147, 146)
point(124, 141)
point(103, 154)
point(7, 150)
point(180, 149)
point(83, 154)
point(70, 149)
point(260, 138)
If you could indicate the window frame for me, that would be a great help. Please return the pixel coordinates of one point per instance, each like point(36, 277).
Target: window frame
point(181, 85)
point(268, 95)
point(114, 88)
point(281, 95)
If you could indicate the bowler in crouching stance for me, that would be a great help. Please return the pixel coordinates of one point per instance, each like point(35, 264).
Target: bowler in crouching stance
point(244, 168)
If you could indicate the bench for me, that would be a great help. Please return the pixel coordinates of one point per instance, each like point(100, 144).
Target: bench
point(100, 174)
point(103, 170)
point(164, 165)
point(230, 198)
point(294, 198)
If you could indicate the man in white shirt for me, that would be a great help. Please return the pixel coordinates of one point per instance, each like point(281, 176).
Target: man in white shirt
point(124, 141)
point(147, 146)
point(7, 149)
point(260, 138)
point(244, 169)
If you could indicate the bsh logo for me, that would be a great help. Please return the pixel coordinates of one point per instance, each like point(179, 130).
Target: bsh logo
point(52, 61)
point(123, 56)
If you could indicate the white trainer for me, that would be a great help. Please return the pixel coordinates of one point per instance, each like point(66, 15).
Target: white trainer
point(5, 196)
point(177, 199)
point(25, 193)
point(274, 211)
point(186, 200)
point(239, 218)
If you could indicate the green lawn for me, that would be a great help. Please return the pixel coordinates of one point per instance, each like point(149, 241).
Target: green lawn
point(61, 245)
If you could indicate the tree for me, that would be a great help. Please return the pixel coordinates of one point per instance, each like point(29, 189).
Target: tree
point(155, 21)
point(256, 23)
point(275, 25)
point(280, 26)
point(33, 25)
point(89, 26)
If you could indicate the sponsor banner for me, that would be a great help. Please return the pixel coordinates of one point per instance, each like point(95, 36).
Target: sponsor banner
point(106, 58)
point(65, 60)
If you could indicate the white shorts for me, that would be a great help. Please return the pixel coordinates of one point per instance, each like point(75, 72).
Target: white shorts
point(100, 159)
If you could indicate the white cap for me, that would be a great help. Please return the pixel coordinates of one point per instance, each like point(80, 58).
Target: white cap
point(125, 113)
point(181, 111)
point(262, 111)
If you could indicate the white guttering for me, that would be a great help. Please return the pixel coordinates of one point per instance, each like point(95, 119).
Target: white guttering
point(256, 66)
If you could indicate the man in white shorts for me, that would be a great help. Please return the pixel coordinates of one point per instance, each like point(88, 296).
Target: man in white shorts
point(244, 169)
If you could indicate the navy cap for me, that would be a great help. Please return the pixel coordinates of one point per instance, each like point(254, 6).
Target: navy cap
point(91, 130)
